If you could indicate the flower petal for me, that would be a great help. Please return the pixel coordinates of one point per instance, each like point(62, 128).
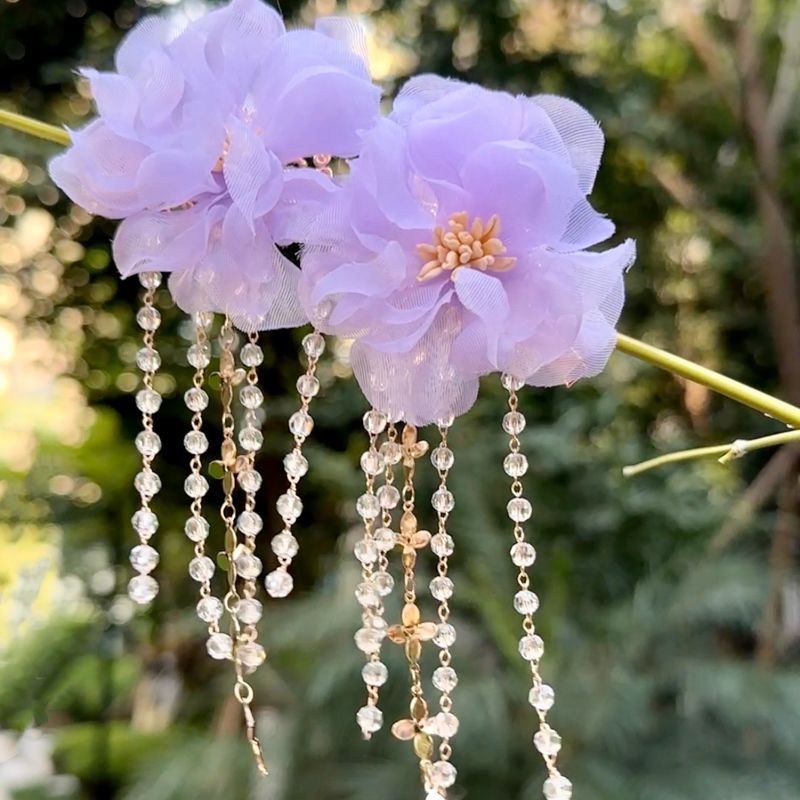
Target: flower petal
point(484, 296)
point(253, 175)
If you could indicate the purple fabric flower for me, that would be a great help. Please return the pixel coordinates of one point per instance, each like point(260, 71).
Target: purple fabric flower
point(197, 144)
point(458, 248)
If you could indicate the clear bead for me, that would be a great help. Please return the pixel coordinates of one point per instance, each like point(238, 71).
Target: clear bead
point(289, 506)
point(148, 318)
point(314, 345)
point(251, 439)
point(220, 646)
point(150, 280)
point(374, 422)
point(392, 452)
point(148, 359)
point(441, 588)
point(443, 774)
point(445, 636)
point(307, 386)
point(372, 463)
point(284, 545)
point(375, 622)
point(195, 486)
point(388, 496)
point(195, 442)
point(367, 506)
point(366, 552)
point(519, 509)
point(523, 554)
point(442, 544)
point(196, 399)
point(279, 583)
point(209, 609)
point(203, 319)
point(145, 523)
point(201, 568)
point(367, 595)
point(442, 458)
point(526, 602)
point(199, 356)
point(558, 788)
point(196, 529)
point(249, 611)
point(515, 465)
point(251, 655)
point(147, 483)
point(445, 679)
point(531, 647)
point(375, 673)
point(251, 396)
point(370, 719)
point(510, 383)
point(384, 539)
point(248, 566)
point(446, 724)
point(542, 697)
point(369, 640)
point(301, 424)
point(148, 443)
point(148, 401)
point(384, 583)
point(249, 523)
point(250, 481)
point(296, 465)
point(144, 558)
point(142, 589)
point(514, 423)
point(443, 500)
point(547, 742)
point(252, 355)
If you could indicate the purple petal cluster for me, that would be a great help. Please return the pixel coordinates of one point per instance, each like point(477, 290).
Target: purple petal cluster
point(458, 247)
point(198, 146)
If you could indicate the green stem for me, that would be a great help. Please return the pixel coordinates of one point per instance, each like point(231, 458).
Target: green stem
point(34, 128)
point(771, 406)
point(729, 452)
point(671, 458)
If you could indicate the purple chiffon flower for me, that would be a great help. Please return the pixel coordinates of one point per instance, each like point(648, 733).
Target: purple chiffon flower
point(458, 248)
point(200, 144)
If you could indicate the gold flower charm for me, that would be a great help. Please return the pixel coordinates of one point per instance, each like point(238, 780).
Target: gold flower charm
point(411, 448)
point(412, 631)
point(476, 246)
point(409, 538)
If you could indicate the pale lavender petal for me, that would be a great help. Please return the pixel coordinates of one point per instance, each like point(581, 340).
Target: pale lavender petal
point(99, 171)
point(304, 196)
point(117, 99)
point(164, 241)
point(171, 178)
point(160, 85)
point(149, 35)
point(253, 175)
point(420, 91)
point(485, 297)
point(348, 32)
point(579, 131)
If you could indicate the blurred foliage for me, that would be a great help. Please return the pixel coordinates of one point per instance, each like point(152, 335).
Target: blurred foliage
point(654, 630)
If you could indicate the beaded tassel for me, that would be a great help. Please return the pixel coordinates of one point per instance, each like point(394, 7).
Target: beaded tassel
point(369, 594)
point(523, 554)
point(238, 646)
point(279, 583)
point(209, 608)
point(412, 632)
point(445, 679)
point(246, 563)
point(143, 587)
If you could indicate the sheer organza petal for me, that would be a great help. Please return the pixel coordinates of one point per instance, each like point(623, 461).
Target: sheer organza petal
point(117, 98)
point(419, 91)
point(347, 32)
point(150, 34)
